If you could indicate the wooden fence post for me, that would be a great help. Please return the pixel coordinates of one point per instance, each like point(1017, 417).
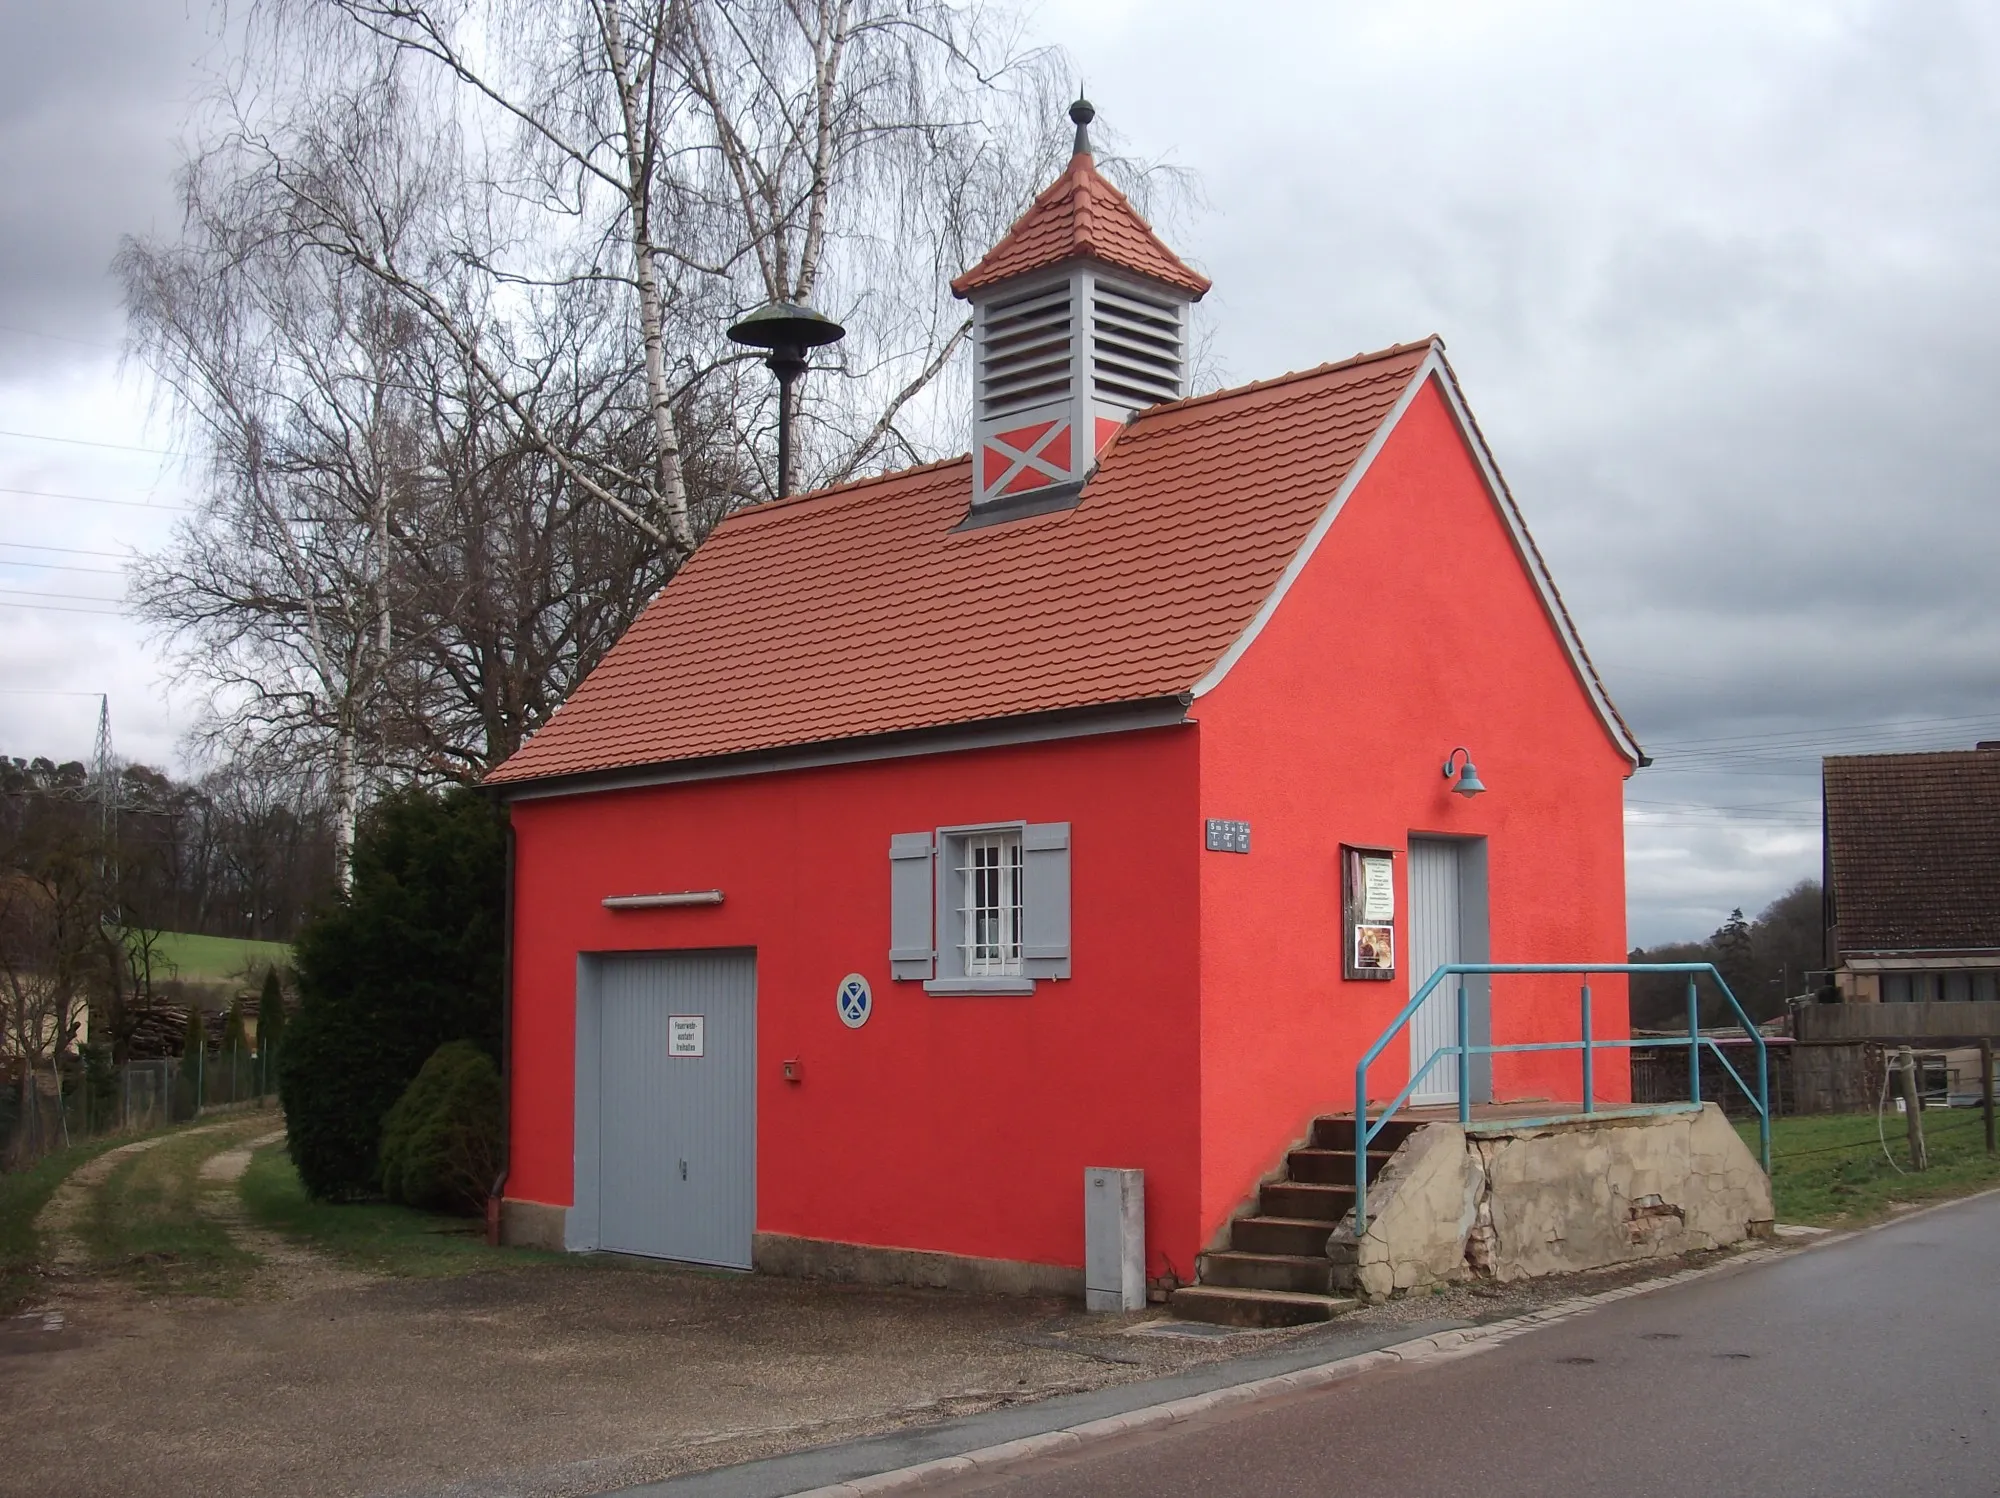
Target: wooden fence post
point(1913, 1107)
point(1986, 1089)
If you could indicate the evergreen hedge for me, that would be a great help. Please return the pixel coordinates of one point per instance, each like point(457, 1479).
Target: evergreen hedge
point(441, 1142)
point(407, 960)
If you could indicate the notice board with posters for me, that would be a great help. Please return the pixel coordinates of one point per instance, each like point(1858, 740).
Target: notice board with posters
point(1368, 913)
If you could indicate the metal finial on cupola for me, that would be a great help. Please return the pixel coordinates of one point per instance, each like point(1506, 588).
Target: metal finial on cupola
point(1083, 112)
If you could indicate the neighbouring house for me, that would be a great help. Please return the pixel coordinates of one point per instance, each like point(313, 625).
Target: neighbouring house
point(1912, 876)
point(1088, 801)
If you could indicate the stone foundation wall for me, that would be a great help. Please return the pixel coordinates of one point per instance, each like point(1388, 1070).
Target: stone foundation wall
point(1514, 1203)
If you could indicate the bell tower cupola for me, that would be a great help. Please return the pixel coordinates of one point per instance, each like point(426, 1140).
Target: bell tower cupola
point(1079, 318)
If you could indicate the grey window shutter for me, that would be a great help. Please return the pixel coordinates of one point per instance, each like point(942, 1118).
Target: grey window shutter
point(910, 896)
point(1045, 900)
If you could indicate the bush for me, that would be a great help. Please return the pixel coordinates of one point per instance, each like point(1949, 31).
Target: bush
point(441, 1142)
point(407, 960)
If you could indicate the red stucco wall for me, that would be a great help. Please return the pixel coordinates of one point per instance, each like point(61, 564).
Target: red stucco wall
point(954, 1124)
point(1413, 629)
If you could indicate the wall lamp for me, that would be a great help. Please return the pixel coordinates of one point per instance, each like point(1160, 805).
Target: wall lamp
point(1469, 783)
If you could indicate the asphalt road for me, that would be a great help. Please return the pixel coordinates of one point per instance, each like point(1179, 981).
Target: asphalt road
point(1867, 1366)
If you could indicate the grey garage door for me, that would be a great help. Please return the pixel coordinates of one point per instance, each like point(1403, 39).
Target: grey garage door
point(677, 1107)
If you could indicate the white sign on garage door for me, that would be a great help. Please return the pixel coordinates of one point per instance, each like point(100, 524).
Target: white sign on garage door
point(684, 1037)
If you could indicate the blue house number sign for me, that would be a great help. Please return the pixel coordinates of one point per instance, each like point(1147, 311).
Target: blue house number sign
point(855, 1001)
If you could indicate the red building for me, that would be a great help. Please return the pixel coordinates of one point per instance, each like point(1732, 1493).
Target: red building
point(931, 839)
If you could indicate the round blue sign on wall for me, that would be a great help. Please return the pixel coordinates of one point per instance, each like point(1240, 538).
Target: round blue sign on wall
point(855, 1000)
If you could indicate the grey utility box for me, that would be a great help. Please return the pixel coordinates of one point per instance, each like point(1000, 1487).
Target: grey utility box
point(1114, 1240)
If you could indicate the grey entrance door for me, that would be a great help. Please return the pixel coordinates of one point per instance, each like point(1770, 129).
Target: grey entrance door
point(1435, 927)
point(677, 1106)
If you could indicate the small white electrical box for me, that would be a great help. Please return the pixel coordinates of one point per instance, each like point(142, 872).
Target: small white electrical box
point(1114, 1239)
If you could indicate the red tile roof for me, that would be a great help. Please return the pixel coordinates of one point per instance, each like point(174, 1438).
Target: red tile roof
point(1913, 850)
point(1081, 216)
point(864, 610)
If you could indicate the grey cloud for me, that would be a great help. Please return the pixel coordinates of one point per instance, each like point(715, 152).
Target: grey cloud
point(92, 98)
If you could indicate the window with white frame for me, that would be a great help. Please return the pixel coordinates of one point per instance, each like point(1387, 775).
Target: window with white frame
point(988, 878)
point(982, 909)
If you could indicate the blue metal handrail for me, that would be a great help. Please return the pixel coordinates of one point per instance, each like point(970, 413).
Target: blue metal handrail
point(1365, 1132)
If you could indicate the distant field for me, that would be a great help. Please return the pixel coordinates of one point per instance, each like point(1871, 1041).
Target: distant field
point(216, 959)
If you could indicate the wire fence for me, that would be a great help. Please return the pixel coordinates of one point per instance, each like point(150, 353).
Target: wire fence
point(50, 1110)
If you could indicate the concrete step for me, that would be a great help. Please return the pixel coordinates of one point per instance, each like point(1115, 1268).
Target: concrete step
point(1337, 1133)
point(1231, 1307)
point(1306, 1274)
point(1280, 1235)
point(1332, 1167)
point(1305, 1199)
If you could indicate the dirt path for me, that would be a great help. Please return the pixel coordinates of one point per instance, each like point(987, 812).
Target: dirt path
point(287, 1268)
point(63, 1251)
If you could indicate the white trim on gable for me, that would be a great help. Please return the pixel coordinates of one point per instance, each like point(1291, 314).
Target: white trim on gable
point(1434, 367)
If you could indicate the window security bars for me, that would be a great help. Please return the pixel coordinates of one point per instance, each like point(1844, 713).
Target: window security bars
point(989, 874)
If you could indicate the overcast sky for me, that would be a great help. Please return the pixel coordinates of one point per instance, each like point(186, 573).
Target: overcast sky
point(1721, 281)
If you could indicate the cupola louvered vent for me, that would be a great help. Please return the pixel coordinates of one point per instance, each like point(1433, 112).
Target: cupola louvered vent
point(1137, 350)
point(1027, 350)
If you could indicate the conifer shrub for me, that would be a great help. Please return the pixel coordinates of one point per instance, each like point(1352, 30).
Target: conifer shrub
point(441, 1142)
point(408, 959)
point(270, 1030)
point(193, 1068)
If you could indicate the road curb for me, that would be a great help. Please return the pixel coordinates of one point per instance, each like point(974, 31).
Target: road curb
point(1438, 1347)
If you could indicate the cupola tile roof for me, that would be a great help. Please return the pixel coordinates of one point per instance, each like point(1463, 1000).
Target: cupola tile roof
point(867, 610)
point(1081, 216)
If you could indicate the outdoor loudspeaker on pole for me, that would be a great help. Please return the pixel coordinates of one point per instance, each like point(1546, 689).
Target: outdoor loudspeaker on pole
point(786, 331)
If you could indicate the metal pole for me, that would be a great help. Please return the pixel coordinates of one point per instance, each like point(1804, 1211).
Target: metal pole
point(1764, 1102)
point(1694, 1043)
point(1464, 1055)
point(1589, 1056)
point(784, 434)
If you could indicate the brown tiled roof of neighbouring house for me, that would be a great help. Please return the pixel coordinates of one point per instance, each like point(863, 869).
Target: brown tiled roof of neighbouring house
point(1913, 850)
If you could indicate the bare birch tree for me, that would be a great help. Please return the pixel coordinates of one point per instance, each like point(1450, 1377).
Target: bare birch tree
point(689, 159)
point(292, 373)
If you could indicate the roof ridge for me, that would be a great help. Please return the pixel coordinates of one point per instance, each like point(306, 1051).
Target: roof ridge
point(789, 501)
point(1293, 376)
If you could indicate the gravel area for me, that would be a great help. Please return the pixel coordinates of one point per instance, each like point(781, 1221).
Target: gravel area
point(561, 1379)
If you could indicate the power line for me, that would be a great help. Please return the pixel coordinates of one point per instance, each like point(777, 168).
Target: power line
point(123, 447)
point(6, 327)
point(62, 608)
point(6, 562)
point(1813, 735)
point(97, 499)
point(46, 692)
point(68, 551)
point(72, 597)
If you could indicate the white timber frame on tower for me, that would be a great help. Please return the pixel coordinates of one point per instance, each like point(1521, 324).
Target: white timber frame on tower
point(1061, 357)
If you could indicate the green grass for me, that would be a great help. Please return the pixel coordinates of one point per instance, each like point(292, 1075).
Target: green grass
point(1828, 1170)
point(374, 1236)
point(145, 1223)
point(217, 959)
point(23, 1194)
